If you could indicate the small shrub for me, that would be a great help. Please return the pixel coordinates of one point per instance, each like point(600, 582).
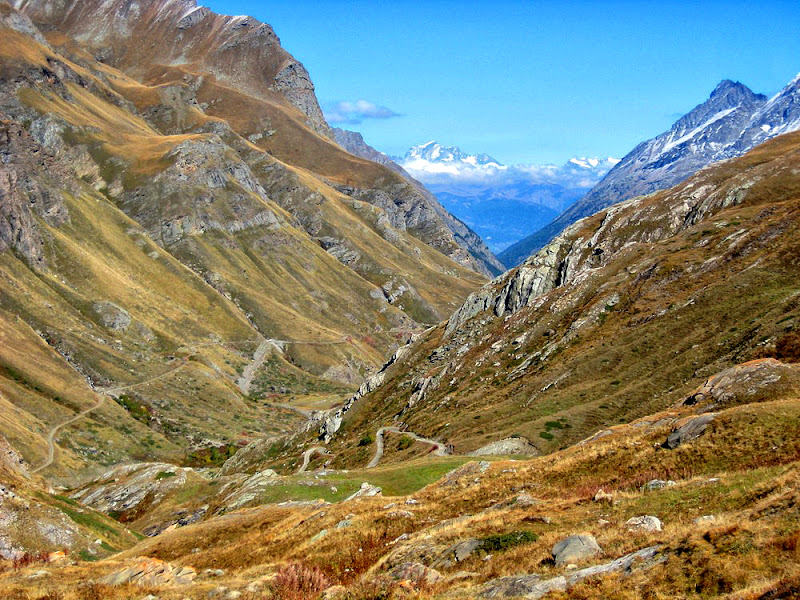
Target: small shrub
point(554, 425)
point(546, 435)
point(405, 442)
point(366, 440)
point(787, 348)
point(165, 475)
point(29, 558)
point(298, 582)
point(504, 541)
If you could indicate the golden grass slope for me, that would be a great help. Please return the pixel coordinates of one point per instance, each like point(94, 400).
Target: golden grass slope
point(177, 230)
point(729, 524)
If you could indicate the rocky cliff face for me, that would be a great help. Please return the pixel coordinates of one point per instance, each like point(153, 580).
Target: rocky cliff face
point(732, 121)
point(425, 213)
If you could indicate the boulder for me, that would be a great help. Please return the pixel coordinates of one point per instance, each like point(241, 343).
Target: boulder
point(644, 523)
point(112, 315)
point(575, 548)
point(367, 490)
point(416, 572)
point(603, 497)
point(658, 484)
point(457, 553)
point(690, 430)
point(527, 586)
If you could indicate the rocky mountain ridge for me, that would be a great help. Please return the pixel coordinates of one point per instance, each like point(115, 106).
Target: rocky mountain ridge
point(164, 233)
point(608, 291)
point(488, 264)
point(732, 121)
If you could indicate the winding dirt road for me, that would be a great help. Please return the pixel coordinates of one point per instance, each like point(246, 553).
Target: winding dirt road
point(439, 450)
point(321, 450)
point(104, 394)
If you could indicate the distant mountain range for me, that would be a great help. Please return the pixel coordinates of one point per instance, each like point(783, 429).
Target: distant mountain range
point(502, 203)
point(733, 120)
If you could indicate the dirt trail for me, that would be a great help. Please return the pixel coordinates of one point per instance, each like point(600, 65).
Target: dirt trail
point(250, 370)
point(321, 450)
point(104, 394)
point(440, 448)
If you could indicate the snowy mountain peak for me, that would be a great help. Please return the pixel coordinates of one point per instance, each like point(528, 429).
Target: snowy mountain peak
point(435, 152)
point(598, 164)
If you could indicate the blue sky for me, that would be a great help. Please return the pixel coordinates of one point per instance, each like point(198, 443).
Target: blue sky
point(528, 81)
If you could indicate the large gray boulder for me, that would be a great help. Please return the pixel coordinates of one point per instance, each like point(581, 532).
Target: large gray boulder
point(691, 430)
point(526, 586)
point(575, 548)
point(644, 523)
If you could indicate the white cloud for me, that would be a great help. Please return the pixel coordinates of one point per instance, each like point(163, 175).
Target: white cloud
point(352, 113)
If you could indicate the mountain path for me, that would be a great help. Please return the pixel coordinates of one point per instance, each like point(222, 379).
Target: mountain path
point(104, 395)
point(440, 448)
point(250, 370)
point(309, 453)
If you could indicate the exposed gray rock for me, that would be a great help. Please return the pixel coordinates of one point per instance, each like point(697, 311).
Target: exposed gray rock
point(691, 430)
point(658, 484)
point(366, 490)
point(624, 563)
point(331, 421)
point(457, 553)
point(507, 446)
point(644, 523)
point(575, 548)
point(532, 586)
point(416, 572)
point(525, 586)
point(112, 315)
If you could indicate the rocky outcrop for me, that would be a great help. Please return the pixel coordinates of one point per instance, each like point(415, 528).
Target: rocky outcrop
point(151, 572)
point(332, 421)
point(689, 430)
point(534, 587)
point(647, 523)
point(27, 193)
point(507, 446)
point(748, 382)
point(125, 488)
point(594, 242)
point(575, 548)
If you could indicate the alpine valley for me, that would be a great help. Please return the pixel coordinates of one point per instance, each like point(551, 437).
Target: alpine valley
point(245, 355)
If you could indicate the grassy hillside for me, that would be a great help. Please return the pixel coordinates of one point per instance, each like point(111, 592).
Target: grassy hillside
point(725, 507)
point(652, 297)
point(148, 250)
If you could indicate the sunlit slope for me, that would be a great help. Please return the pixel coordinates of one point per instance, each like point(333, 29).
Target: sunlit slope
point(152, 266)
point(619, 317)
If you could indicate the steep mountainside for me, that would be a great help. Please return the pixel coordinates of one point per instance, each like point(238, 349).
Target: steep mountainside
point(234, 68)
point(354, 143)
point(620, 316)
point(187, 260)
point(732, 121)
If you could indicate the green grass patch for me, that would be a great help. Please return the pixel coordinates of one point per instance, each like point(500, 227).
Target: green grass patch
point(503, 541)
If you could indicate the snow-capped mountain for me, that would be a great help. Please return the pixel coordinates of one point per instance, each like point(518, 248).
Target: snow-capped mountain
point(732, 121)
point(433, 163)
point(503, 203)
